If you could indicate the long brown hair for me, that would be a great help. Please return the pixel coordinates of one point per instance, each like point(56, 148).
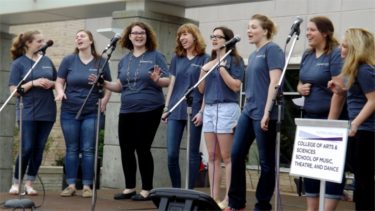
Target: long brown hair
point(93, 48)
point(151, 39)
point(200, 45)
point(228, 34)
point(325, 26)
point(19, 46)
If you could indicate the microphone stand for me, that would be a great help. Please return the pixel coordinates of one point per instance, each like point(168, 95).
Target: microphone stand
point(20, 203)
point(186, 97)
point(277, 100)
point(95, 84)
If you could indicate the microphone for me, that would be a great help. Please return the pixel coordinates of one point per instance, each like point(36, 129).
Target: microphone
point(113, 42)
point(294, 28)
point(231, 42)
point(44, 47)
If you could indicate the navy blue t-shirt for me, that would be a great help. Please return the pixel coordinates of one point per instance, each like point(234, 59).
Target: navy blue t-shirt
point(139, 93)
point(39, 104)
point(216, 91)
point(364, 83)
point(76, 74)
point(318, 71)
point(261, 62)
point(186, 72)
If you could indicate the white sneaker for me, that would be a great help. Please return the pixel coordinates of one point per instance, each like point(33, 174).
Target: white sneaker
point(14, 189)
point(30, 191)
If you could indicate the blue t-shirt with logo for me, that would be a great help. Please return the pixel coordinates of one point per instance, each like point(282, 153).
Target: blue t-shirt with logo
point(39, 103)
point(216, 91)
point(139, 93)
point(76, 74)
point(186, 72)
point(318, 71)
point(257, 79)
point(356, 99)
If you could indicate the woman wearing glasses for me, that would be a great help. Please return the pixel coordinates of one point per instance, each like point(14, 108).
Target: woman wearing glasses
point(141, 75)
point(221, 96)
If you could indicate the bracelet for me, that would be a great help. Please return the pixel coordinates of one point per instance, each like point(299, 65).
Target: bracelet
point(223, 66)
point(165, 109)
point(200, 112)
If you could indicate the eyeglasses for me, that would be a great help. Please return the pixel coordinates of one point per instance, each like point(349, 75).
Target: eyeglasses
point(138, 33)
point(216, 37)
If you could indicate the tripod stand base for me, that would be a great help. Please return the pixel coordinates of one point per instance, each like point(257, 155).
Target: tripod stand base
point(19, 203)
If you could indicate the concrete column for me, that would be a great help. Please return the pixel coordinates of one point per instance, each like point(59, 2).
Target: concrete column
point(7, 115)
point(112, 174)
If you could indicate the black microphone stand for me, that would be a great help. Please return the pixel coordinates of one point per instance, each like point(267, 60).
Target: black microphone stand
point(186, 96)
point(20, 202)
point(277, 100)
point(100, 88)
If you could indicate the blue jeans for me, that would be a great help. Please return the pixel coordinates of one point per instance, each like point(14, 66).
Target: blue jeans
point(79, 140)
point(175, 131)
point(34, 137)
point(247, 130)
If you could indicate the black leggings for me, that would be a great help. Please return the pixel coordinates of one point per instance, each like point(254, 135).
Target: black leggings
point(136, 133)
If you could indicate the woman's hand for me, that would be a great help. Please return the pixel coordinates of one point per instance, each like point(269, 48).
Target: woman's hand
point(336, 87)
point(60, 96)
point(304, 89)
point(198, 119)
point(265, 120)
point(43, 83)
point(155, 74)
point(164, 117)
point(353, 129)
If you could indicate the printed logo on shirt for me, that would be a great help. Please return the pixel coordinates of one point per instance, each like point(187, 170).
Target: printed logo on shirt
point(196, 65)
point(325, 64)
point(146, 61)
point(93, 69)
point(46, 67)
point(261, 56)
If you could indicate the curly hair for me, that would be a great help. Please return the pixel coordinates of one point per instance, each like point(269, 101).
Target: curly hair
point(151, 39)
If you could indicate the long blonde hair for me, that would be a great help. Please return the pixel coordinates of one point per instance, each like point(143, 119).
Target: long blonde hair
point(361, 50)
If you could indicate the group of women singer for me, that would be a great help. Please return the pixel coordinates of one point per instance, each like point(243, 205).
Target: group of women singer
point(330, 76)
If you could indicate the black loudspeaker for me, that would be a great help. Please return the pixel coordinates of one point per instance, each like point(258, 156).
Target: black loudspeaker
point(175, 199)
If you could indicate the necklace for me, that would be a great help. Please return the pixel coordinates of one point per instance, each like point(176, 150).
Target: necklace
point(136, 73)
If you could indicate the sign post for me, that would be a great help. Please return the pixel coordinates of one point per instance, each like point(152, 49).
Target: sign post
point(319, 151)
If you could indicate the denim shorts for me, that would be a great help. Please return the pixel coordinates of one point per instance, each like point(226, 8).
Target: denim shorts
point(220, 118)
point(333, 190)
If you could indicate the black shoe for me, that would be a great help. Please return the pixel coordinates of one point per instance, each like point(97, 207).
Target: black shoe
point(120, 196)
point(139, 197)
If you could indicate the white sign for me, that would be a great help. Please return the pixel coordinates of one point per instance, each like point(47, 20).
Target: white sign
point(320, 149)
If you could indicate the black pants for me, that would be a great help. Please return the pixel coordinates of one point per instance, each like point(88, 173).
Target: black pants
point(363, 164)
point(136, 133)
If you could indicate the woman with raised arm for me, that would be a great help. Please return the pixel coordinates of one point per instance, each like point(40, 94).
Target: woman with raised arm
point(142, 73)
point(221, 110)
